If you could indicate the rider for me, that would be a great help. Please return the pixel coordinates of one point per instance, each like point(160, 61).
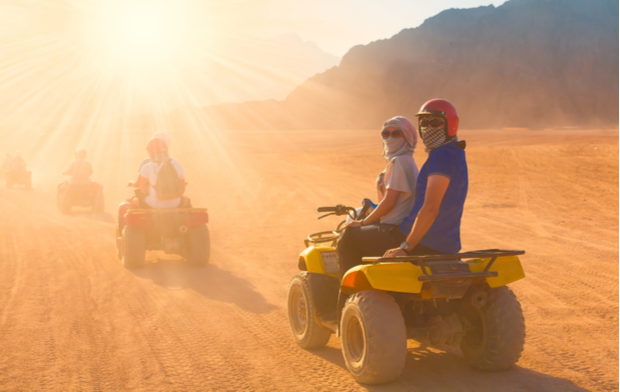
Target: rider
point(17, 162)
point(396, 184)
point(157, 135)
point(162, 181)
point(80, 169)
point(433, 225)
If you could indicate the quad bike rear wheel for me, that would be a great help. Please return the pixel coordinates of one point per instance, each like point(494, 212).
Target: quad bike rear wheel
point(308, 334)
point(495, 332)
point(374, 337)
point(133, 247)
point(199, 245)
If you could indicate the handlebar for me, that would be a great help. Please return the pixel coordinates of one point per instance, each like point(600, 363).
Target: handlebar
point(337, 210)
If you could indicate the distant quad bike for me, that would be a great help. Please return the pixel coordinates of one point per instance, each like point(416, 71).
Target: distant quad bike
point(18, 177)
point(457, 299)
point(179, 231)
point(83, 195)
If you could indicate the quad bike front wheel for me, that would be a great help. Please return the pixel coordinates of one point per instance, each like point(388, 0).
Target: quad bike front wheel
point(199, 245)
point(374, 337)
point(133, 247)
point(495, 332)
point(308, 334)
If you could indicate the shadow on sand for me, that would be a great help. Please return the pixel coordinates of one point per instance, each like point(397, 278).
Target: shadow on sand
point(432, 369)
point(210, 282)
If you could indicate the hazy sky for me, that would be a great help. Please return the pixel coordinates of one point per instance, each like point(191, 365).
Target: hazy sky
point(337, 25)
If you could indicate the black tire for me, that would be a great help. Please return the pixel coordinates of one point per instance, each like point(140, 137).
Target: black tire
point(133, 247)
point(495, 333)
point(99, 204)
point(374, 337)
point(199, 246)
point(307, 333)
point(65, 203)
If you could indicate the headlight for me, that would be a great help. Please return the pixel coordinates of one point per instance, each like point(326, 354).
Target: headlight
point(330, 262)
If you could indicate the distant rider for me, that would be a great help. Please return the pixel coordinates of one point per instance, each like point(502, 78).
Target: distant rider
point(158, 135)
point(80, 169)
point(433, 225)
point(162, 181)
point(17, 163)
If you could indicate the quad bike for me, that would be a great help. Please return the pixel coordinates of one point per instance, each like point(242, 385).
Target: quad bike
point(18, 177)
point(457, 299)
point(83, 195)
point(179, 231)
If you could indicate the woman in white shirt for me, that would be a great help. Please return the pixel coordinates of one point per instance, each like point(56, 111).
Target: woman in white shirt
point(396, 191)
point(396, 183)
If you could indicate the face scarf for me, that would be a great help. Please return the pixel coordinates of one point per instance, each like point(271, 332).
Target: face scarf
point(434, 137)
point(405, 145)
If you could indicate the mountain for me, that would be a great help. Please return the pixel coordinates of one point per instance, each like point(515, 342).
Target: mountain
point(244, 69)
point(526, 63)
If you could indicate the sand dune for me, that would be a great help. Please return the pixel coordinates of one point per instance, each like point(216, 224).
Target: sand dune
point(73, 319)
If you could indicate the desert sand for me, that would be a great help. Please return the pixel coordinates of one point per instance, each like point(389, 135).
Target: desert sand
point(72, 318)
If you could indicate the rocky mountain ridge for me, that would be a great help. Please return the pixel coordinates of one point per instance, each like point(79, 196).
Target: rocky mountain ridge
point(527, 63)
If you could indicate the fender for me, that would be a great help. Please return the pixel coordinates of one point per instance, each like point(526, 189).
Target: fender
point(320, 260)
point(399, 277)
point(403, 277)
point(508, 270)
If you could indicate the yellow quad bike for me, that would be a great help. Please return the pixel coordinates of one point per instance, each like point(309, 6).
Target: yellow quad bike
point(457, 299)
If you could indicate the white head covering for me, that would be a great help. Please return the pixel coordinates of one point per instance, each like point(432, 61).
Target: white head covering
point(409, 132)
point(163, 136)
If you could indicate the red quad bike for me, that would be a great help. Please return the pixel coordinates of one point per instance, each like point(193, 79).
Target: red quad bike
point(83, 195)
point(18, 177)
point(179, 231)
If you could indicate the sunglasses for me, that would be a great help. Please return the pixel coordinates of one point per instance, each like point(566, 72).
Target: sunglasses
point(385, 134)
point(435, 122)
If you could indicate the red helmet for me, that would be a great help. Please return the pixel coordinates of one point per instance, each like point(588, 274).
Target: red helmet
point(156, 145)
point(443, 108)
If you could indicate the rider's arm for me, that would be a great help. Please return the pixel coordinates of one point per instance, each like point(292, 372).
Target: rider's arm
point(435, 190)
point(388, 202)
point(143, 184)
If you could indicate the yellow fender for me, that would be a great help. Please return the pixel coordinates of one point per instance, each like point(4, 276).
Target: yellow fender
point(508, 270)
point(320, 260)
point(403, 277)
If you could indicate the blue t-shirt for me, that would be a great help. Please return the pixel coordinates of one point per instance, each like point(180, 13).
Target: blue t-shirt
point(445, 233)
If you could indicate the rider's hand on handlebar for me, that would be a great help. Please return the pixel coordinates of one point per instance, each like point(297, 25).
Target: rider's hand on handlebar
point(354, 223)
point(394, 252)
point(131, 184)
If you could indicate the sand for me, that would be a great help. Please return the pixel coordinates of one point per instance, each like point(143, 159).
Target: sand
point(72, 318)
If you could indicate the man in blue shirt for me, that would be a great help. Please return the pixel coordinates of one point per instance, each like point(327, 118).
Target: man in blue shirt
point(435, 220)
point(433, 225)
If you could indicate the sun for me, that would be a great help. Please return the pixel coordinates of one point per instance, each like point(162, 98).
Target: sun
point(144, 28)
point(128, 33)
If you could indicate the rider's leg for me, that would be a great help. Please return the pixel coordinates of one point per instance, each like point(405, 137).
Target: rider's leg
point(366, 241)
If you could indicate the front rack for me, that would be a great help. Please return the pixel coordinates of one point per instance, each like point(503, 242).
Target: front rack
point(420, 260)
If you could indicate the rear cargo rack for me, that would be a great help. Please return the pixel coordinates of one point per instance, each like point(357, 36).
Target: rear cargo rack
point(163, 210)
point(420, 260)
